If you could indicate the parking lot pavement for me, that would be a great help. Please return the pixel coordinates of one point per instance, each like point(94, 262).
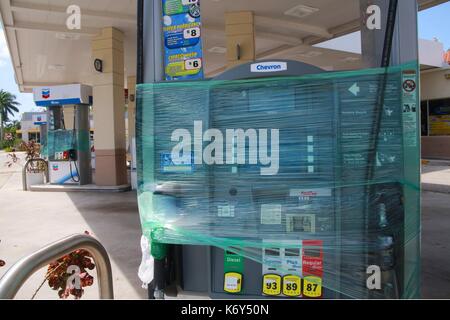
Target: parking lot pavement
point(436, 176)
point(435, 245)
point(30, 220)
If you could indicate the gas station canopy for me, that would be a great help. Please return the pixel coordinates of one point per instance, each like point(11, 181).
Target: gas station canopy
point(45, 52)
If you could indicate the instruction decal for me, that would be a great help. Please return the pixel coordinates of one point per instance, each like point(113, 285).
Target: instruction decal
point(409, 108)
point(187, 164)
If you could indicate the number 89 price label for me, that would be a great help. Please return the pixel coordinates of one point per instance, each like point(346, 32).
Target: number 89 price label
point(272, 285)
point(292, 286)
point(312, 287)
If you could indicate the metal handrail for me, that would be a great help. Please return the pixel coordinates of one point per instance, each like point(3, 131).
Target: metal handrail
point(15, 277)
point(25, 169)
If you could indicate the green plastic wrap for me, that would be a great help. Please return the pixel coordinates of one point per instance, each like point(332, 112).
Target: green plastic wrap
point(58, 141)
point(326, 163)
point(64, 140)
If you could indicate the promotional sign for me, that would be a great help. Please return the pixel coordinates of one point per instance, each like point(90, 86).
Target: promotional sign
point(440, 125)
point(62, 95)
point(182, 40)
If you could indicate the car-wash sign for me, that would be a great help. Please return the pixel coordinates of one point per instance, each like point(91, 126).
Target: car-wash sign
point(182, 40)
point(62, 95)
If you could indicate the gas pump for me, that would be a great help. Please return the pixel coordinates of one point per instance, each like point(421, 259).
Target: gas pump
point(67, 149)
point(312, 231)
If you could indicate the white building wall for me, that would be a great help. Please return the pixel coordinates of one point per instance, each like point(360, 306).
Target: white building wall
point(434, 85)
point(431, 53)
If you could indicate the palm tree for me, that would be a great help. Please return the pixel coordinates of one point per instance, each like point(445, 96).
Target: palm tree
point(8, 106)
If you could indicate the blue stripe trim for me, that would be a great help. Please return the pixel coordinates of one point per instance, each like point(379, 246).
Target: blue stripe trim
point(48, 103)
point(67, 178)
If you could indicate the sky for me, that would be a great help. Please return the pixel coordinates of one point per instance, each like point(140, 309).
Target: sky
point(433, 23)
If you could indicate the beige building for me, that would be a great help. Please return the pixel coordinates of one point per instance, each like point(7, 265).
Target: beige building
point(435, 107)
point(30, 128)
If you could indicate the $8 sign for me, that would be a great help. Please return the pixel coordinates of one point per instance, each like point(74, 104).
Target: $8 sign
point(192, 33)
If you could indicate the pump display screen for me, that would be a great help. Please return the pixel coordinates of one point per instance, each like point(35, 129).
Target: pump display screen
point(313, 253)
point(292, 252)
point(282, 99)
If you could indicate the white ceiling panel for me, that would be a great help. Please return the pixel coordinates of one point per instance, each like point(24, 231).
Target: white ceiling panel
point(44, 52)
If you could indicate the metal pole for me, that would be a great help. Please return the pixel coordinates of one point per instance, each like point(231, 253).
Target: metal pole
point(151, 70)
point(25, 170)
point(14, 279)
point(82, 128)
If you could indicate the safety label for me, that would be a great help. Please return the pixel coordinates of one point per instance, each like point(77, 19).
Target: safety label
point(225, 211)
point(186, 165)
point(409, 105)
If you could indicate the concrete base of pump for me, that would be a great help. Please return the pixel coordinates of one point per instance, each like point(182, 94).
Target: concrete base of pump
point(76, 188)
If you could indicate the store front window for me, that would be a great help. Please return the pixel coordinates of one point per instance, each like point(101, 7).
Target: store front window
point(436, 117)
point(34, 136)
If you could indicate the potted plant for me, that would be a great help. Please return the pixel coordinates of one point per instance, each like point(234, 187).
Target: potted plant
point(35, 170)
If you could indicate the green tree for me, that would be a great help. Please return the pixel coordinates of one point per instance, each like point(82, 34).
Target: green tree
point(8, 106)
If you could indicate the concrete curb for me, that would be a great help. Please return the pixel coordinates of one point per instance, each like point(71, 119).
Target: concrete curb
point(438, 188)
point(436, 163)
point(87, 188)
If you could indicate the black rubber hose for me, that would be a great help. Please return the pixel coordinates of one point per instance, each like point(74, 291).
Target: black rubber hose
point(74, 146)
point(140, 42)
point(378, 113)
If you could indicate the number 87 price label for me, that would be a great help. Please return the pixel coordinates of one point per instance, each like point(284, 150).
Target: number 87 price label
point(312, 287)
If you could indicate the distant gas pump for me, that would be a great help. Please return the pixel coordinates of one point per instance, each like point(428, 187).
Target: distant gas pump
point(67, 149)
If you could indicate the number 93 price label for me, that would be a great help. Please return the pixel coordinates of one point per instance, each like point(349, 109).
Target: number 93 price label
point(272, 285)
point(312, 287)
point(292, 286)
